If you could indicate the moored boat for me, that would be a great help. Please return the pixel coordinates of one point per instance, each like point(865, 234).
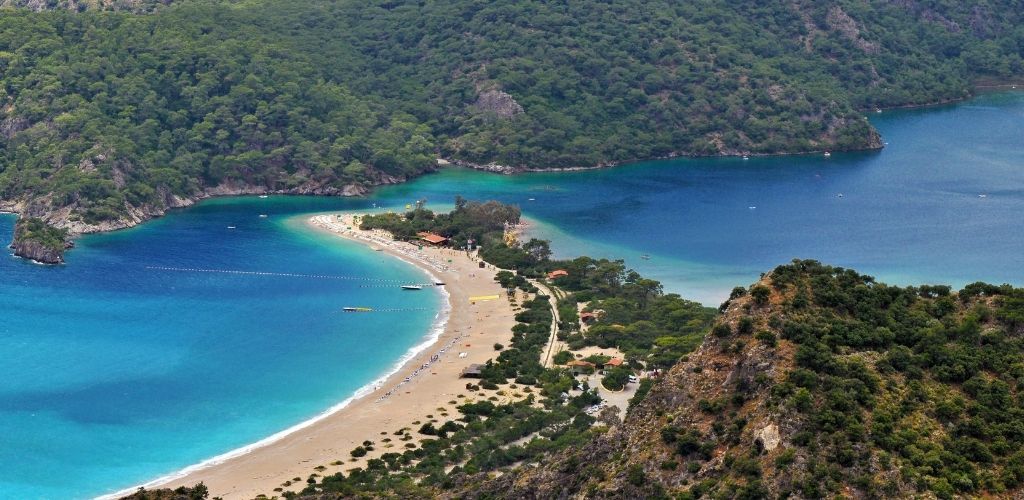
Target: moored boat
point(412, 287)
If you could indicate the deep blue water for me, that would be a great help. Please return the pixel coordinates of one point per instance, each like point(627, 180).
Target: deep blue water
point(910, 213)
point(115, 374)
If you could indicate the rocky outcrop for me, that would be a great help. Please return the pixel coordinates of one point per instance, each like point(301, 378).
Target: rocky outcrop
point(39, 252)
point(840, 21)
point(498, 103)
point(36, 240)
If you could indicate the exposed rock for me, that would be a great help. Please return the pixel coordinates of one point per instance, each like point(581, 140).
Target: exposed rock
point(499, 103)
point(981, 22)
point(12, 125)
point(38, 252)
point(840, 21)
point(935, 17)
point(38, 241)
point(769, 437)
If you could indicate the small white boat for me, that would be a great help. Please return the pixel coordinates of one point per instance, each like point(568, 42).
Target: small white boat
point(745, 157)
point(231, 227)
point(752, 207)
point(531, 199)
point(982, 196)
point(645, 257)
point(840, 195)
point(263, 196)
point(356, 309)
point(263, 216)
point(412, 287)
point(827, 154)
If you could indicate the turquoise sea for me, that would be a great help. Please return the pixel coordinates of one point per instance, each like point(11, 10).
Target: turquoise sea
point(116, 373)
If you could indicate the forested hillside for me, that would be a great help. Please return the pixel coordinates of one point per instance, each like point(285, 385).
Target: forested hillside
point(819, 382)
point(112, 112)
point(139, 6)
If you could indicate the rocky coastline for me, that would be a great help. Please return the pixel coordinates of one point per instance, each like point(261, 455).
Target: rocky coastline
point(40, 253)
point(65, 218)
point(875, 144)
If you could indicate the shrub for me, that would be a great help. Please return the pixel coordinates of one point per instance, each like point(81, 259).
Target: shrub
point(766, 337)
point(760, 294)
point(615, 379)
point(722, 330)
point(562, 357)
point(635, 475)
point(746, 325)
point(787, 457)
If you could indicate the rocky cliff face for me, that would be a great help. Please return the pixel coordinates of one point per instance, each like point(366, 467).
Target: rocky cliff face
point(39, 252)
point(35, 240)
point(498, 103)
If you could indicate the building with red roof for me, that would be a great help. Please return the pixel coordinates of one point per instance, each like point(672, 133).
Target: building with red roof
point(433, 239)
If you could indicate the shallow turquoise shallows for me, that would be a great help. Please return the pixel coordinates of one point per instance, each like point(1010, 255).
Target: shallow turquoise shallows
point(115, 373)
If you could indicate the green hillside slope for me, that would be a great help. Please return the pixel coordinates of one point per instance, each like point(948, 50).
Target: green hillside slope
point(821, 382)
point(108, 118)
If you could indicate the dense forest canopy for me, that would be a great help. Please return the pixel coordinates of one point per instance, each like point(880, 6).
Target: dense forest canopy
point(119, 110)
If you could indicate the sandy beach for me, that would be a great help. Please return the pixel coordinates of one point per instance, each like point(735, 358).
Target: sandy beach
point(422, 389)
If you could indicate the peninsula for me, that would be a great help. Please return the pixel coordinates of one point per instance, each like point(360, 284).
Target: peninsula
point(501, 326)
point(480, 314)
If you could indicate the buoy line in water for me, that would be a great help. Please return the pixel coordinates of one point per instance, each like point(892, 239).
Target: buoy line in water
point(263, 273)
point(402, 309)
point(392, 286)
point(389, 309)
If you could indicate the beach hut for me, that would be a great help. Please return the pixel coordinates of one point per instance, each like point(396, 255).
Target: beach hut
point(557, 273)
point(581, 367)
point(433, 239)
point(612, 363)
point(472, 371)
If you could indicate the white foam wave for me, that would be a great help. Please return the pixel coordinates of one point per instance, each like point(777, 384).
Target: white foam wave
point(436, 329)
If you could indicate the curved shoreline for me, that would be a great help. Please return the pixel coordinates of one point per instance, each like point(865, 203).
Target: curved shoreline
point(424, 379)
point(432, 336)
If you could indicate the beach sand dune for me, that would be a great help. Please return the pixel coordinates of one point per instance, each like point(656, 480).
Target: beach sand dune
point(426, 382)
